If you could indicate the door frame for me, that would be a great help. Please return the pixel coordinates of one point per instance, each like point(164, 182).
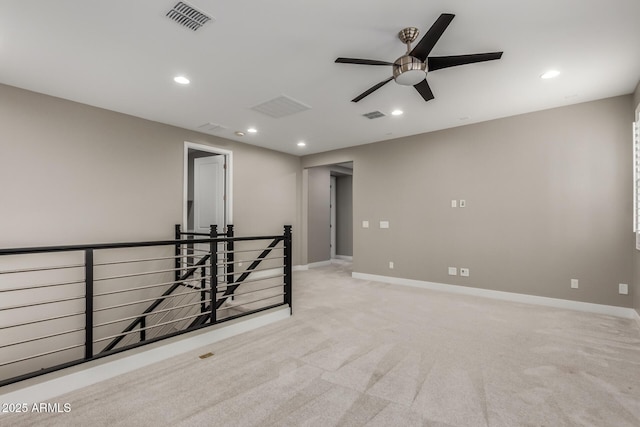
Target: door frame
point(228, 190)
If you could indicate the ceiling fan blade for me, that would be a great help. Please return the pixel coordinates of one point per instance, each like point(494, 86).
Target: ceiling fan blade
point(424, 90)
point(362, 61)
point(371, 90)
point(426, 44)
point(439, 62)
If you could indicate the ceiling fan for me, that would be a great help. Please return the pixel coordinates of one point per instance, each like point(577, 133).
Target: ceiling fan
point(411, 68)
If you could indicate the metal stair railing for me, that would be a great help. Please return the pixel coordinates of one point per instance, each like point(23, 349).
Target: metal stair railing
point(63, 305)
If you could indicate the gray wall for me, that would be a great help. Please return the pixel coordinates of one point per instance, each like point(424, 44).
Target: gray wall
point(73, 173)
point(319, 215)
point(548, 199)
point(636, 254)
point(344, 215)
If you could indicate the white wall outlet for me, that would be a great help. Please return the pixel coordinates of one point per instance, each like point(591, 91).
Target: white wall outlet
point(464, 272)
point(384, 224)
point(391, 265)
point(454, 203)
point(623, 289)
point(453, 271)
point(463, 203)
point(365, 224)
point(574, 283)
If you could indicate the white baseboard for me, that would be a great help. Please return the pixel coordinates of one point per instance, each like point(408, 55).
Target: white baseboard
point(319, 264)
point(344, 257)
point(627, 313)
point(300, 268)
point(49, 386)
point(637, 317)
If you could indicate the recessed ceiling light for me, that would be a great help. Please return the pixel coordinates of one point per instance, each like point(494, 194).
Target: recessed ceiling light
point(239, 133)
point(550, 74)
point(397, 112)
point(252, 130)
point(181, 79)
point(302, 144)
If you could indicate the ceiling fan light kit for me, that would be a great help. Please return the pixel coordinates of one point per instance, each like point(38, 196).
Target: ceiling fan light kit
point(411, 69)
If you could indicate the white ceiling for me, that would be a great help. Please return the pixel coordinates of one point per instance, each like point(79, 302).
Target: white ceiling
point(122, 55)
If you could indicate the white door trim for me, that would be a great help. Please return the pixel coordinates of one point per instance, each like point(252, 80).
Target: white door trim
point(228, 179)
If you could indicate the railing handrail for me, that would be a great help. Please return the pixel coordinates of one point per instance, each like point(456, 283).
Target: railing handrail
point(215, 263)
point(71, 248)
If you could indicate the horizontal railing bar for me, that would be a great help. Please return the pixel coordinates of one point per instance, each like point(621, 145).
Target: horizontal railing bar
point(233, 284)
point(146, 273)
point(41, 303)
point(235, 294)
point(72, 248)
point(42, 354)
point(151, 314)
point(138, 288)
point(29, 270)
point(141, 260)
point(258, 269)
point(194, 233)
point(49, 285)
point(252, 302)
point(145, 300)
point(57, 334)
point(275, 248)
point(63, 316)
point(250, 260)
point(147, 327)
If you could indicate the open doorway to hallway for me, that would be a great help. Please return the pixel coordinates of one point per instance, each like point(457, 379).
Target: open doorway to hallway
point(330, 214)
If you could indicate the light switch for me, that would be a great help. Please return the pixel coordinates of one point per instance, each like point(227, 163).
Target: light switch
point(574, 283)
point(384, 224)
point(365, 224)
point(454, 203)
point(623, 289)
point(453, 271)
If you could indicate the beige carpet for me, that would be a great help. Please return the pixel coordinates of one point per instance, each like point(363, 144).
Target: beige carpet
point(364, 353)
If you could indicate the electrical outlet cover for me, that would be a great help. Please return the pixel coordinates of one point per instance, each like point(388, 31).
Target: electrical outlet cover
point(464, 272)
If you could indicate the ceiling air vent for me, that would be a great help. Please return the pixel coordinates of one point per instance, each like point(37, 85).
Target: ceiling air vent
point(374, 115)
point(211, 127)
point(280, 107)
point(188, 16)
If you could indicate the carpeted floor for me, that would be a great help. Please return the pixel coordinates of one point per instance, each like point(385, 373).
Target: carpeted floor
point(364, 353)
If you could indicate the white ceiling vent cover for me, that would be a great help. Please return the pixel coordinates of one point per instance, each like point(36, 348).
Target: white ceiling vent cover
point(188, 16)
point(374, 115)
point(280, 107)
point(211, 127)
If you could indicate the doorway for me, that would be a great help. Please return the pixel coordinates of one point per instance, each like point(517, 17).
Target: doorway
point(207, 188)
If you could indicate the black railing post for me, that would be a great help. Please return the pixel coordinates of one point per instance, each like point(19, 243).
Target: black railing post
point(88, 303)
point(143, 331)
point(213, 259)
point(230, 257)
point(288, 263)
point(203, 287)
point(178, 262)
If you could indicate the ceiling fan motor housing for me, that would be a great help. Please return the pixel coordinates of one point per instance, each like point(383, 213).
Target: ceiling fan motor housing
point(409, 70)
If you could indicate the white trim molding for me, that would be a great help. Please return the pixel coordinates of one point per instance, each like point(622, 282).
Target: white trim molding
point(344, 257)
point(627, 313)
point(636, 315)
